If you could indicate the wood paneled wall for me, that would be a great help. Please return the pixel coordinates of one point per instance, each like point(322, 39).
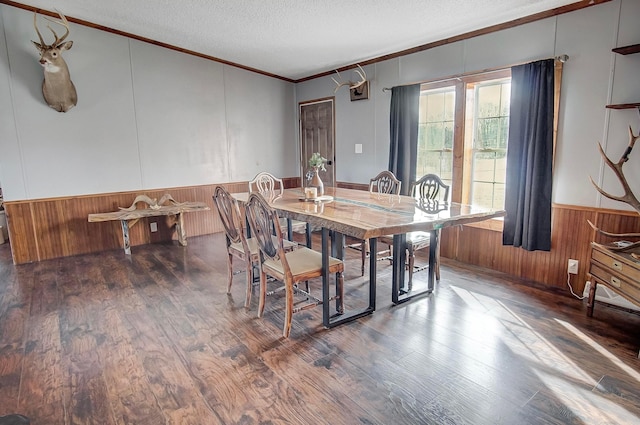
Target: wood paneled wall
point(571, 238)
point(50, 228)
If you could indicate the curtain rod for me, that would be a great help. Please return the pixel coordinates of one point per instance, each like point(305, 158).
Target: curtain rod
point(560, 58)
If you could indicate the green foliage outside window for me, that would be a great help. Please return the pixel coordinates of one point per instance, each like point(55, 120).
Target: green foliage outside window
point(489, 118)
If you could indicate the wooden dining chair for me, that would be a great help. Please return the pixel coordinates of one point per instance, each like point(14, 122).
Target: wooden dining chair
point(387, 183)
point(290, 268)
point(268, 183)
point(432, 196)
point(238, 245)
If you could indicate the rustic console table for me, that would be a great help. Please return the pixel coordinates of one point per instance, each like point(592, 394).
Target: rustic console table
point(167, 206)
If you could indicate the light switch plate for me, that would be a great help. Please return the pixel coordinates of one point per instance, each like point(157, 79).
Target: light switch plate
point(358, 147)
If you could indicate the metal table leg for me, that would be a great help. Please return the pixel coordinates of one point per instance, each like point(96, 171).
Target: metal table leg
point(328, 320)
point(400, 294)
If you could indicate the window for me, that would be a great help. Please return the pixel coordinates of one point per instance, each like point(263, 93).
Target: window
point(462, 136)
point(435, 133)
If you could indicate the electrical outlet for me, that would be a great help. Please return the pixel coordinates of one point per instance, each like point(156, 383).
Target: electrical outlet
point(154, 226)
point(572, 266)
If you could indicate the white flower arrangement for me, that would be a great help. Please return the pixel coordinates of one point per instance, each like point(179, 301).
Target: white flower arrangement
point(318, 161)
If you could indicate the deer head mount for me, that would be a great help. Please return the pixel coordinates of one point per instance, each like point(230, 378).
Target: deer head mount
point(57, 88)
point(359, 89)
point(628, 197)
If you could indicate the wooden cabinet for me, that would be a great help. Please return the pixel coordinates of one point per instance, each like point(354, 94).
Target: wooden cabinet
point(618, 271)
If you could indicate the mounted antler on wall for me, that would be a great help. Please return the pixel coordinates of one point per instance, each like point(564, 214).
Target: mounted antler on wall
point(628, 197)
point(57, 88)
point(359, 90)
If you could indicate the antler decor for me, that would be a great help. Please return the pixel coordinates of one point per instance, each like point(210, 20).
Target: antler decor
point(57, 88)
point(359, 89)
point(152, 203)
point(628, 197)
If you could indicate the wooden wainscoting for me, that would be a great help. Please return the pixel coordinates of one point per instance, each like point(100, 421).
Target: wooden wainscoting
point(42, 229)
point(571, 238)
point(481, 244)
point(50, 228)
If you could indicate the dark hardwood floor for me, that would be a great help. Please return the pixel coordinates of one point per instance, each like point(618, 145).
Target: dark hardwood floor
point(154, 339)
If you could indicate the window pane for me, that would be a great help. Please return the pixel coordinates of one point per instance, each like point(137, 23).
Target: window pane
point(505, 99)
point(498, 196)
point(437, 162)
point(482, 133)
point(489, 100)
point(449, 104)
point(491, 131)
point(488, 195)
point(482, 194)
point(501, 167)
point(503, 135)
point(488, 131)
point(434, 139)
point(483, 166)
point(435, 107)
point(435, 132)
point(448, 135)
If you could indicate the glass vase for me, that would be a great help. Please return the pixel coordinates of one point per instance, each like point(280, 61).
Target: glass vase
point(316, 181)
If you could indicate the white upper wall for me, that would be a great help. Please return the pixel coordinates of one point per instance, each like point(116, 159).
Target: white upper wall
point(592, 78)
point(147, 117)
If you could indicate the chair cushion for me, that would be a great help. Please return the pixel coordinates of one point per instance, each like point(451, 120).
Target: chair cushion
point(296, 225)
point(418, 240)
point(302, 261)
point(251, 242)
point(253, 246)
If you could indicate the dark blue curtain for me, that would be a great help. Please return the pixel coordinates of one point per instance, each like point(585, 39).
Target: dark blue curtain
point(530, 157)
point(403, 147)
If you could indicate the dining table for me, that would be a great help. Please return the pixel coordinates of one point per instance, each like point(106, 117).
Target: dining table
point(341, 212)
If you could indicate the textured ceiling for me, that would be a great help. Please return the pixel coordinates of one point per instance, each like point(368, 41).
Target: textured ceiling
point(297, 38)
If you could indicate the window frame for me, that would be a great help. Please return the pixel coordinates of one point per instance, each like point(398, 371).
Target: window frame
point(462, 154)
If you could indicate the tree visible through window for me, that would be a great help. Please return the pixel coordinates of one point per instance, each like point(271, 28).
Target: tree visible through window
point(490, 112)
point(435, 133)
point(466, 143)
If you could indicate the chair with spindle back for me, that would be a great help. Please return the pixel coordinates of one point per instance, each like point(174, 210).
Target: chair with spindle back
point(291, 267)
point(238, 245)
point(268, 183)
point(432, 196)
point(385, 183)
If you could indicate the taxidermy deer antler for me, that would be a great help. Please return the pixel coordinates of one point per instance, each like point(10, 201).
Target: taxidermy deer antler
point(57, 88)
point(351, 84)
point(628, 197)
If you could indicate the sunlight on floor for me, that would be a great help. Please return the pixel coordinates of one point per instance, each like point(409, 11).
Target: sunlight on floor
point(600, 349)
point(566, 380)
point(526, 342)
point(585, 404)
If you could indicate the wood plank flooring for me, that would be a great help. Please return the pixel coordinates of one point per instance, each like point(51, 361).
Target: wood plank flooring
point(154, 339)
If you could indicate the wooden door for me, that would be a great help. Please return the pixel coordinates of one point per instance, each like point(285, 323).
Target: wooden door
point(317, 134)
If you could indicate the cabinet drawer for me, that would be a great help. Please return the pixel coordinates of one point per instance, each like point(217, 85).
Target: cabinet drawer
point(617, 265)
point(617, 282)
